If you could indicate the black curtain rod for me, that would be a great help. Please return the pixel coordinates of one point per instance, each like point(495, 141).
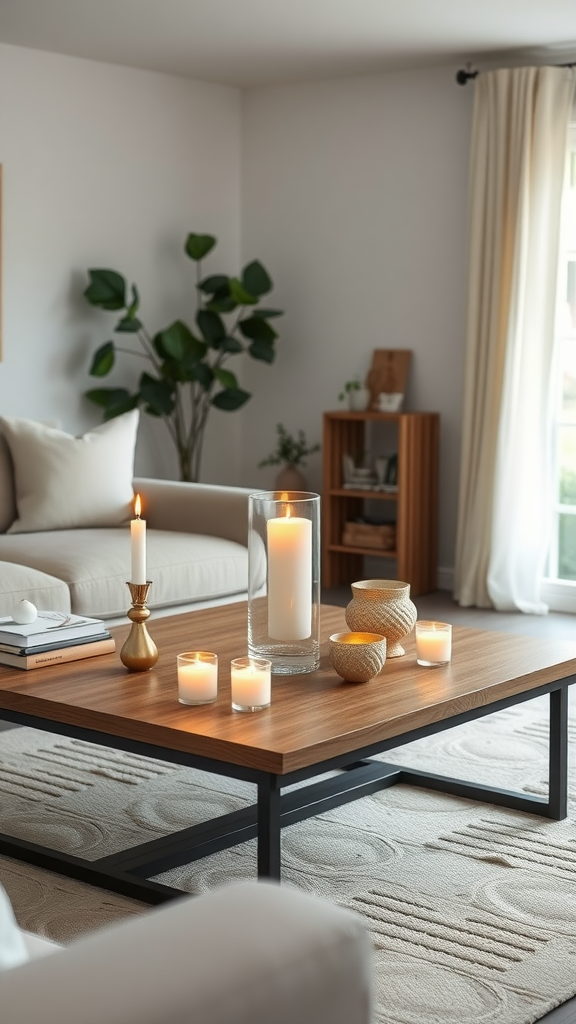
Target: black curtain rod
point(463, 76)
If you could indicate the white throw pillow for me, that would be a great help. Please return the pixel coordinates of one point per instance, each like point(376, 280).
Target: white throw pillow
point(64, 482)
point(12, 946)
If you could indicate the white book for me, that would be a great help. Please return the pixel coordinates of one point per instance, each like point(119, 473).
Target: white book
point(47, 627)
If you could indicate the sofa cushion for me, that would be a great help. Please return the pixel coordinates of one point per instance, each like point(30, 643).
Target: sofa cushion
point(65, 482)
point(96, 565)
point(12, 946)
point(19, 582)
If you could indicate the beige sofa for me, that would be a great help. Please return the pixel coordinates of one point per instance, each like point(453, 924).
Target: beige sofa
point(196, 555)
point(250, 953)
point(65, 507)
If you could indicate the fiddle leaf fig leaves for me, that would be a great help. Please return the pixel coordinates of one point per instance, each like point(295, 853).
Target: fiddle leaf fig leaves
point(255, 279)
point(186, 375)
point(157, 394)
point(107, 289)
point(198, 246)
point(114, 401)
point(103, 360)
point(230, 399)
point(240, 294)
point(211, 326)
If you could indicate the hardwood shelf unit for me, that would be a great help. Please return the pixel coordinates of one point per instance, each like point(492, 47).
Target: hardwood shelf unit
point(414, 438)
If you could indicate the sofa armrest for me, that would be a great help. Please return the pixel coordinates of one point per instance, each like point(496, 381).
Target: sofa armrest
point(210, 509)
point(250, 953)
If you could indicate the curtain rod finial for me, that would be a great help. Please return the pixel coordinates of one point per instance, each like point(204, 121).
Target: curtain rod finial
point(463, 76)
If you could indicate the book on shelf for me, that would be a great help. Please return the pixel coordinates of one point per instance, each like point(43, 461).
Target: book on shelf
point(58, 655)
point(47, 628)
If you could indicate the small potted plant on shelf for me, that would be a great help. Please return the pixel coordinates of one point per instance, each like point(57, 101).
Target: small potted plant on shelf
point(291, 451)
point(358, 396)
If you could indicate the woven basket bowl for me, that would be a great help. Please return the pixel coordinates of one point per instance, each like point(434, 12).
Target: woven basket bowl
point(358, 657)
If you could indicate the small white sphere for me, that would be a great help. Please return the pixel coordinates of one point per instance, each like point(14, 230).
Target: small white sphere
point(24, 612)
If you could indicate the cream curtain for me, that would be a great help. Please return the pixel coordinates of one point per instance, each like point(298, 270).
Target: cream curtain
point(519, 136)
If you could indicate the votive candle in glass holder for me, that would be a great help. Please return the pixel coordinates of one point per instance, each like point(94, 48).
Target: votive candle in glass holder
point(197, 677)
point(433, 643)
point(250, 684)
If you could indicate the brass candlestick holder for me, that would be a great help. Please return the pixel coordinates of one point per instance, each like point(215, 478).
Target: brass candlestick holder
point(139, 652)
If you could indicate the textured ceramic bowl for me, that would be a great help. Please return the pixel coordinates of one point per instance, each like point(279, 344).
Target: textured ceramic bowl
point(358, 657)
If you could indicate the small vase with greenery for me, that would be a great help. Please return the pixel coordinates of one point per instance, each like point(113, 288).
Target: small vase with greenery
point(186, 375)
point(357, 395)
point(291, 452)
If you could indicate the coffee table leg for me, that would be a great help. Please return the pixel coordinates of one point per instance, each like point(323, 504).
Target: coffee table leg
point(558, 754)
point(269, 827)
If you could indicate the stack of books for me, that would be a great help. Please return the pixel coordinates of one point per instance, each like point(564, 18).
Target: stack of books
point(51, 639)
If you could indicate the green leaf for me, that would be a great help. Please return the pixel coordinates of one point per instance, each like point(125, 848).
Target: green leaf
point(214, 283)
point(135, 304)
point(128, 325)
point(211, 326)
point(114, 401)
point(225, 378)
point(158, 394)
point(229, 344)
point(255, 279)
point(107, 289)
point(177, 342)
point(198, 246)
point(240, 295)
point(204, 374)
point(262, 349)
point(225, 304)
point(103, 360)
point(230, 399)
point(257, 329)
point(267, 314)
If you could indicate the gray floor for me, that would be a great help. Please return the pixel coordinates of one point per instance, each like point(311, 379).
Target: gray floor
point(443, 608)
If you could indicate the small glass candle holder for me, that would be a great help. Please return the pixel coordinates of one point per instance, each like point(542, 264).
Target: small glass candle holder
point(433, 643)
point(197, 677)
point(250, 684)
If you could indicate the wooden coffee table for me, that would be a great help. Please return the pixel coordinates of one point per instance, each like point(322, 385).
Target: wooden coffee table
point(316, 724)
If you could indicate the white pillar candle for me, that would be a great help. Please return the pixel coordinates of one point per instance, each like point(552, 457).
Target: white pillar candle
point(433, 643)
point(250, 683)
point(289, 577)
point(197, 677)
point(138, 545)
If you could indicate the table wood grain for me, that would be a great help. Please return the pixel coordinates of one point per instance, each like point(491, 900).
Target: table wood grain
point(312, 717)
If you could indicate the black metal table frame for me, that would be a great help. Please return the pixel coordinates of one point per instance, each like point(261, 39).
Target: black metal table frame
point(129, 871)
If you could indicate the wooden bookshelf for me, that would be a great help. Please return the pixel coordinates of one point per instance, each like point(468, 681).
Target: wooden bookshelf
point(414, 438)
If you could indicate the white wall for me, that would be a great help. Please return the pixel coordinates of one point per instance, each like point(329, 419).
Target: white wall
point(107, 166)
point(352, 192)
point(354, 195)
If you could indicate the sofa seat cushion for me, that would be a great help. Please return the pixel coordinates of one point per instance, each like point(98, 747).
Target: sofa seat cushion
point(95, 564)
point(19, 582)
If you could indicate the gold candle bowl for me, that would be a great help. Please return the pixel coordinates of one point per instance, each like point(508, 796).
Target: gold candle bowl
point(358, 657)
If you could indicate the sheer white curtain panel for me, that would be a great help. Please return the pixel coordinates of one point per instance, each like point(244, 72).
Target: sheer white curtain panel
point(519, 134)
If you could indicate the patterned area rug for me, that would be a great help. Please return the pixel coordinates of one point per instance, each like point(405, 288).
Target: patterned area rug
point(470, 907)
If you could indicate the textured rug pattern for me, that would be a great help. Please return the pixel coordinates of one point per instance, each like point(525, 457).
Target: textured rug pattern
point(470, 906)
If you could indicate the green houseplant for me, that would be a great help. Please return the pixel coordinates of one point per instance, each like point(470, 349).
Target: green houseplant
point(186, 375)
point(291, 451)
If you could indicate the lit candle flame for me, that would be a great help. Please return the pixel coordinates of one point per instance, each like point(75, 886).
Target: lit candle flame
point(137, 506)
